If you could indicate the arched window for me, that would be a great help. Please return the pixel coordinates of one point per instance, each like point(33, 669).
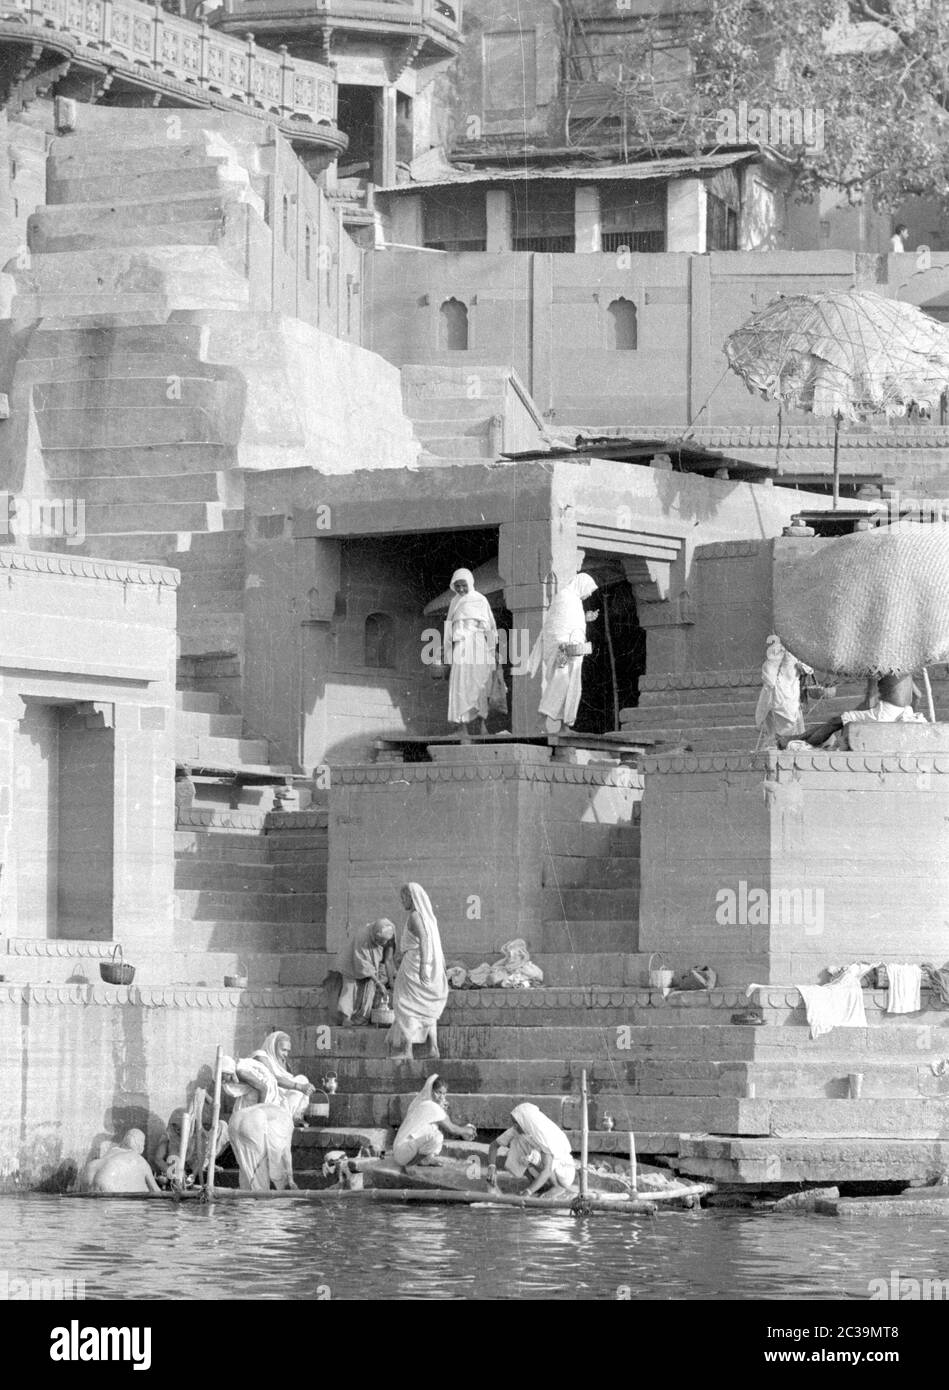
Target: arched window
point(453, 326)
point(286, 223)
point(622, 325)
point(379, 640)
point(307, 238)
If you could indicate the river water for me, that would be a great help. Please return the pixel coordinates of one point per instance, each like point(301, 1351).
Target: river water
point(300, 1250)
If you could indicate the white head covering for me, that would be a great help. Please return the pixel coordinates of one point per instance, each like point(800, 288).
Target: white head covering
point(422, 905)
point(471, 605)
point(422, 1112)
point(542, 1132)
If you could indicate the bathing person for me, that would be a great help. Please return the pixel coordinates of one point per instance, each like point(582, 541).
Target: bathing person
point(267, 1072)
point(892, 703)
point(422, 1132)
point(260, 1134)
point(366, 962)
point(470, 643)
point(199, 1140)
point(537, 1149)
point(124, 1168)
point(421, 985)
point(561, 679)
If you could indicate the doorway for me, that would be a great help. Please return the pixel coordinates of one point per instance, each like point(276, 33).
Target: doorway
point(611, 674)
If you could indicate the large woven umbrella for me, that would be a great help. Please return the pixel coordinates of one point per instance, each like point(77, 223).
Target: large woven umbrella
point(846, 354)
point(868, 604)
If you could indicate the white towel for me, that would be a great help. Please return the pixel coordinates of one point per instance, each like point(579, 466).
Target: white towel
point(905, 984)
point(837, 1005)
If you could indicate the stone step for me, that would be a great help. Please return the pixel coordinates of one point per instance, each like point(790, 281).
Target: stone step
point(177, 488)
point(168, 424)
point(611, 934)
point(466, 447)
point(108, 519)
point(234, 905)
point(814, 1159)
point(244, 936)
point(74, 370)
point(195, 724)
point(599, 904)
point(110, 338)
point(73, 155)
point(208, 751)
point(574, 872)
point(164, 299)
point(122, 460)
point(212, 876)
point(194, 387)
point(198, 701)
point(240, 846)
point(135, 185)
point(154, 969)
point(453, 427)
point(433, 410)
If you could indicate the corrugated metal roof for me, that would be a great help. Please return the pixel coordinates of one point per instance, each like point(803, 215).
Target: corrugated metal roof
point(589, 173)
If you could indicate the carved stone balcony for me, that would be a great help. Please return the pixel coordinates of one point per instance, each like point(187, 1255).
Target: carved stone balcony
point(430, 28)
point(131, 44)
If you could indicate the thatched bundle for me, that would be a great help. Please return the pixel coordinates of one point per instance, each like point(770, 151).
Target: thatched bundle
point(870, 603)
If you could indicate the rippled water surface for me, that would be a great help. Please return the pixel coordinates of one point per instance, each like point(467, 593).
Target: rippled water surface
point(298, 1250)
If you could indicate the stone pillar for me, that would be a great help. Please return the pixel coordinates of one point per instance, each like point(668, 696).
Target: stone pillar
point(11, 712)
point(317, 568)
point(586, 217)
point(533, 562)
point(685, 215)
point(497, 211)
point(383, 172)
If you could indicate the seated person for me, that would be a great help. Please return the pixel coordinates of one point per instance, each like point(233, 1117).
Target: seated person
point(422, 1132)
point(537, 1149)
point(363, 965)
point(166, 1160)
point(123, 1169)
point(891, 703)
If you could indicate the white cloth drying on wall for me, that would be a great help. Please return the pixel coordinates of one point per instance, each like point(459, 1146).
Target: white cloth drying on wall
point(838, 1004)
point(905, 982)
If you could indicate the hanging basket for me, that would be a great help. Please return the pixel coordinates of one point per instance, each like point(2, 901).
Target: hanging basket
point(382, 1014)
point(115, 971)
point(659, 976)
point(318, 1110)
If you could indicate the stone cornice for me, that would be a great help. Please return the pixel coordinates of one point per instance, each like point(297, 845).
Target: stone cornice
point(773, 763)
point(602, 997)
point(162, 997)
point(701, 680)
point(593, 774)
point(801, 437)
point(87, 567)
point(729, 550)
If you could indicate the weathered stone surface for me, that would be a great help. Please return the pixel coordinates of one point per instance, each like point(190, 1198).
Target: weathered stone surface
point(898, 738)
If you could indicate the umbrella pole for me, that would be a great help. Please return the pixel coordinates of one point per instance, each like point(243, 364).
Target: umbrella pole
point(836, 461)
point(930, 706)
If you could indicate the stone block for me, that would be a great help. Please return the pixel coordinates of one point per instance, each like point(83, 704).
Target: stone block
point(898, 738)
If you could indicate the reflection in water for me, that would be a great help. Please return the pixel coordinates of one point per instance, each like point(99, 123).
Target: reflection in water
point(298, 1250)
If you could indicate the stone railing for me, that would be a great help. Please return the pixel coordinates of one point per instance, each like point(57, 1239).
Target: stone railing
point(147, 36)
point(440, 14)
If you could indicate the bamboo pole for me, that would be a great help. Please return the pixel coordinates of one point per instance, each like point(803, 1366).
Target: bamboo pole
point(836, 461)
point(215, 1121)
point(183, 1147)
point(633, 1176)
point(930, 705)
point(624, 1206)
point(612, 654)
point(584, 1136)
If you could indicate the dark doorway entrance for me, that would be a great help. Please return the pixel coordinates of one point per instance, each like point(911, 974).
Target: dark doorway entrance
point(611, 674)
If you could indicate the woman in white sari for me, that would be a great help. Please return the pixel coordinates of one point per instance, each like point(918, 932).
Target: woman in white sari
point(421, 985)
point(470, 644)
point(260, 1131)
point(564, 625)
point(267, 1070)
point(536, 1148)
point(422, 1132)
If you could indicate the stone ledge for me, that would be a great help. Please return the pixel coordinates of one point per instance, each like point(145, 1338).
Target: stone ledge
point(597, 775)
point(87, 567)
point(771, 761)
point(174, 996)
point(871, 737)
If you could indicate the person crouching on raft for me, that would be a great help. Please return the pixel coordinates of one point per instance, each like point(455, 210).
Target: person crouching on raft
point(537, 1149)
point(422, 1132)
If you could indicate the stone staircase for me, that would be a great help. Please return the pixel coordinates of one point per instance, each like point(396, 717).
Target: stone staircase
point(714, 711)
point(467, 414)
point(749, 1105)
point(592, 898)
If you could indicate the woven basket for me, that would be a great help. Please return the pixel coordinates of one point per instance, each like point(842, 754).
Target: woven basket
point(115, 972)
point(868, 604)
